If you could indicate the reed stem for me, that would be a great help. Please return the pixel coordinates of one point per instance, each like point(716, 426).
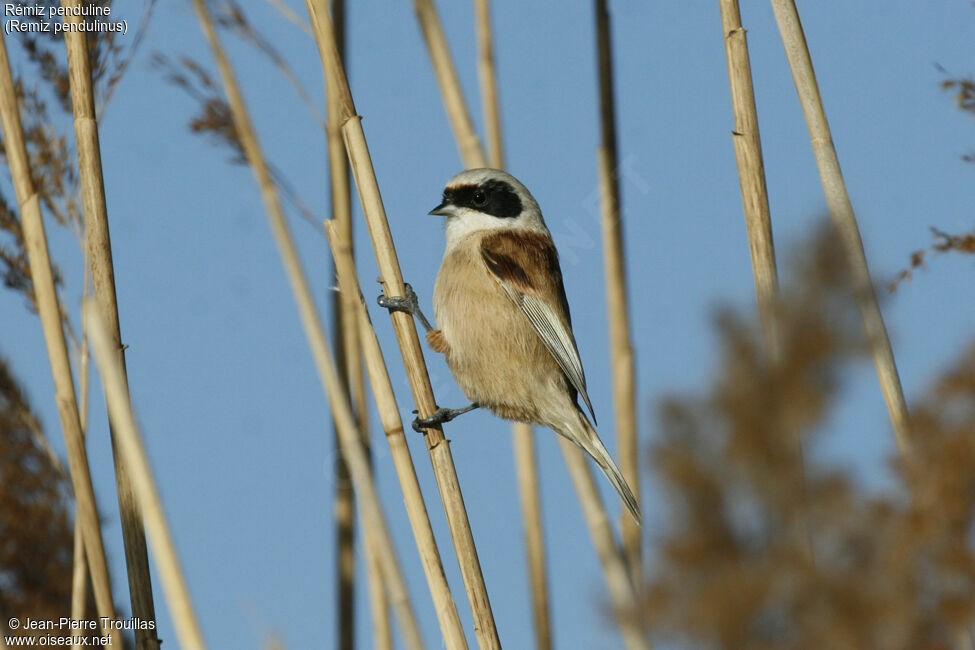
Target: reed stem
point(49, 310)
point(617, 305)
point(409, 343)
point(99, 254)
point(349, 365)
point(526, 468)
point(526, 465)
point(349, 436)
point(389, 416)
point(453, 97)
point(487, 75)
point(751, 173)
point(618, 580)
point(841, 211)
point(130, 447)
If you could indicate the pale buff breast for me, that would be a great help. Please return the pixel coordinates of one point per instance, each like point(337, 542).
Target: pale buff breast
point(494, 353)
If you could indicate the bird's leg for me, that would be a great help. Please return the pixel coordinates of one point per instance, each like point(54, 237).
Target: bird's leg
point(407, 303)
point(440, 416)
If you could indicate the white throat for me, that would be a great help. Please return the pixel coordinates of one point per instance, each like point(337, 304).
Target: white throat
point(468, 222)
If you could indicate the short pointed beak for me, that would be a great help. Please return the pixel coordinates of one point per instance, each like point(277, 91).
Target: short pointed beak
point(444, 210)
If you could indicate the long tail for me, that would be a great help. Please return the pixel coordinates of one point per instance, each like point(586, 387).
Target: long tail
point(585, 436)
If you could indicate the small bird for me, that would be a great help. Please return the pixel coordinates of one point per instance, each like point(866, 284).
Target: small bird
point(503, 317)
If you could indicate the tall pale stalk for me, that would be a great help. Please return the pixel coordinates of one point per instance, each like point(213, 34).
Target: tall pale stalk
point(49, 310)
point(405, 328)
point(79, 570)
point(99, 253)
point(523, 443)
point(754, 197)
point(389, 415)
point(617, 305)
point(618, 579)
point(751, 172)
point(526, 468)
point(472, 156)
point(841, 211)
point(349, 435)
point(453, 97)
point(129, 444)
point(490, 105)
point(349, 364)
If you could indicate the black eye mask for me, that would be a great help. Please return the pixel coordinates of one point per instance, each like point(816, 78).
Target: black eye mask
point(499, 198)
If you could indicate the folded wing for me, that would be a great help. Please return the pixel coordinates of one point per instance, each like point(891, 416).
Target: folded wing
point(526, 266)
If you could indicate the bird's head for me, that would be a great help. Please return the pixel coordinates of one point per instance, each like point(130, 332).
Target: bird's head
point(487, 199)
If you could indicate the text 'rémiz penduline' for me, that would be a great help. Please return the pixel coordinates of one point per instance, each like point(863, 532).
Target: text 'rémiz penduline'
point(30, 19)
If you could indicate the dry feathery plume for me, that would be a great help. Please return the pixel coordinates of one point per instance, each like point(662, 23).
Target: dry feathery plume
point(56, 183)
point(49, 148)
point(893, 571)
point(962, 87)
point(231, 17)
point(110, 53)
point(943, 243)
point(35, 497)
point(215, 121)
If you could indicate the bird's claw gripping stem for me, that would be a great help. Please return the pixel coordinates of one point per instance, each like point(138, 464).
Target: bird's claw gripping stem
point(407, 303)
point(440, 416)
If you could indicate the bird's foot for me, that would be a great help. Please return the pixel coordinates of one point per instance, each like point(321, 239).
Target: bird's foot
point(440, 416)
point(407, 303)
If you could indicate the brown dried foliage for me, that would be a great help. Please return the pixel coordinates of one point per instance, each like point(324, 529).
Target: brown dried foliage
point(943, 242)
point(964, 89)
point(36, 533)
point(49, 147)
point(734, 568)
point(213, 119)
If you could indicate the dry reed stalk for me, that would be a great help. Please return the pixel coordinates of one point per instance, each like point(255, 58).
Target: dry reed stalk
point(526, 465)
point(489, 84)
point(405, 328)
point(382, 631)
point(453, 97)
point(841, 211)
point(99, 254)
point(131, 448)
point(621, 589)
point(349, 365)
point(79, 571)
point(79, 575)
point(751, 172)
point(292, 16)
point(620, 339)
point(754, 193)
point(473, 156)
point(382, 388)
point(352, 448)
point(49, 310)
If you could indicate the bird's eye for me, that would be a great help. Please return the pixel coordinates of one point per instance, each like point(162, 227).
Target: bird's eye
point(479, 199)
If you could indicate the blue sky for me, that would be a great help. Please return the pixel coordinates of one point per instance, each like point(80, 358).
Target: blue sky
point(231, 408)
